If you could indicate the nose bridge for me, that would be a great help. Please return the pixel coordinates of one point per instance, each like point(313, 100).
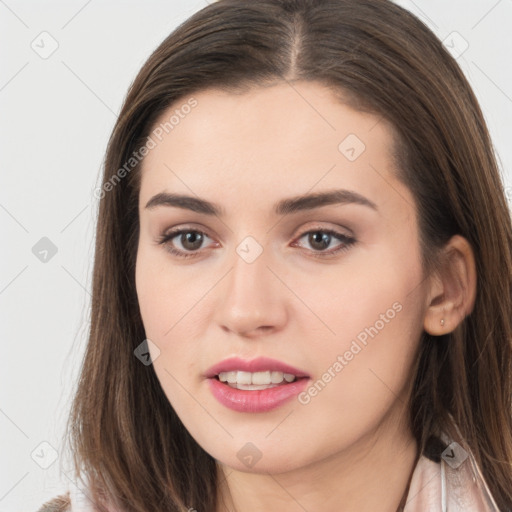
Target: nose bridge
point(251, 298)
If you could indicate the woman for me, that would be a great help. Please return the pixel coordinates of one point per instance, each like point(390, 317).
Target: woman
point(303, 275)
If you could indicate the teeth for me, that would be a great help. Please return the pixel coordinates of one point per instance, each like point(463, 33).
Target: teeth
point(277, 377)
point(243, 378)
point(252, 387)
point(257, 378)
point(261, 378)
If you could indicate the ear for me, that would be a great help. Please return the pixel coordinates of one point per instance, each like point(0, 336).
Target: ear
point(452, 288)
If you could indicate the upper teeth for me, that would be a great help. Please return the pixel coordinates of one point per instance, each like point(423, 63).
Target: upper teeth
point(258, 378)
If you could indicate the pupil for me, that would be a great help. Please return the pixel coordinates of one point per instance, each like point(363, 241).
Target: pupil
point(322, 239)
point(192, 238)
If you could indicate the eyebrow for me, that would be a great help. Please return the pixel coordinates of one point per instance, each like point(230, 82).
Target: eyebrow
point(283, 207)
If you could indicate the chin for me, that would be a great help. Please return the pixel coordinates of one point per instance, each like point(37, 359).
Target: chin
point(259, 456)
point(274, 465)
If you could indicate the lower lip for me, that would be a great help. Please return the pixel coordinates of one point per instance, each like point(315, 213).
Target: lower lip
point(262, 400)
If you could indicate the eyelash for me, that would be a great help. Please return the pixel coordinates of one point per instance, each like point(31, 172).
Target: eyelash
point(348, 241)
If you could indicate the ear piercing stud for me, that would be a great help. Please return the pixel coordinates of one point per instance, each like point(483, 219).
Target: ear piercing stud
point(442, 321)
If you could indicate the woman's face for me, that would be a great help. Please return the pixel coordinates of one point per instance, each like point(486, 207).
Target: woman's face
point(299, 259)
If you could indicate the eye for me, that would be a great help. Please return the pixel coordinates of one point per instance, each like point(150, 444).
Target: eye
point(188, 242)
point(321, 239)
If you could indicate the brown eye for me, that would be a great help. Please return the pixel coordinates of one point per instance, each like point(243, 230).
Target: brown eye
point(184, 242)
point(321, 239)
point(191, 240)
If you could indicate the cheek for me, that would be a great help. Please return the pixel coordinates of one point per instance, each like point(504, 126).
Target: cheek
point(173, 311)
point(371, 294)
point(376, 314)
point(154, 296)
point(164, 299)
point(363, 375)
point(166, 293)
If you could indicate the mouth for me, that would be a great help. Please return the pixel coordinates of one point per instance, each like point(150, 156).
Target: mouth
point(257, 380)
point(259, 385)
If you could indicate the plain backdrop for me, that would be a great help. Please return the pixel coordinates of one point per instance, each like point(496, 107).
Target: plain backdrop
point(65, 68)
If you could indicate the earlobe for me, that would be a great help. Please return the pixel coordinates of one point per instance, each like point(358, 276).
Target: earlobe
point(452, 288)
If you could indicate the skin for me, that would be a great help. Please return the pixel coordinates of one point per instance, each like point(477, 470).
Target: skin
point(351, 443)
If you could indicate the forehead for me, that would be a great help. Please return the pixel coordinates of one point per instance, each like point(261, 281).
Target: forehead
point(279, 140)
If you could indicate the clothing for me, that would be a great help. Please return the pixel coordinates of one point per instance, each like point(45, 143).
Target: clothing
point(446, 479)
point(450, 481)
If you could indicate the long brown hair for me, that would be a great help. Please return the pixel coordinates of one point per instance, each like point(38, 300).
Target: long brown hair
point(125, 436)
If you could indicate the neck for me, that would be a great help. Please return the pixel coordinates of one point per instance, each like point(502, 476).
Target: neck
point(373, 474)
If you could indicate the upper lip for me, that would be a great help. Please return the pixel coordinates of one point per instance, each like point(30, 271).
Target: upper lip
point(260, 364)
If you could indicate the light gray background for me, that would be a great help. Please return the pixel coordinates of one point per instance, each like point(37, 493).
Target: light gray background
point(56, 116)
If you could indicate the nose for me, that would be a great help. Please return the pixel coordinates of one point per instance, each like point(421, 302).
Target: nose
point(252, 301)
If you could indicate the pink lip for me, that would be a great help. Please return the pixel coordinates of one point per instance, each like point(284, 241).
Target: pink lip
point(257, 400)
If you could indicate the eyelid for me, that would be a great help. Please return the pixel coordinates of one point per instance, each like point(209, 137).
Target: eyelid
point(185, 227)
point(331, 227)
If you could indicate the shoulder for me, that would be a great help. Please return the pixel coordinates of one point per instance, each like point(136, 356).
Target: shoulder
point(59, 504)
